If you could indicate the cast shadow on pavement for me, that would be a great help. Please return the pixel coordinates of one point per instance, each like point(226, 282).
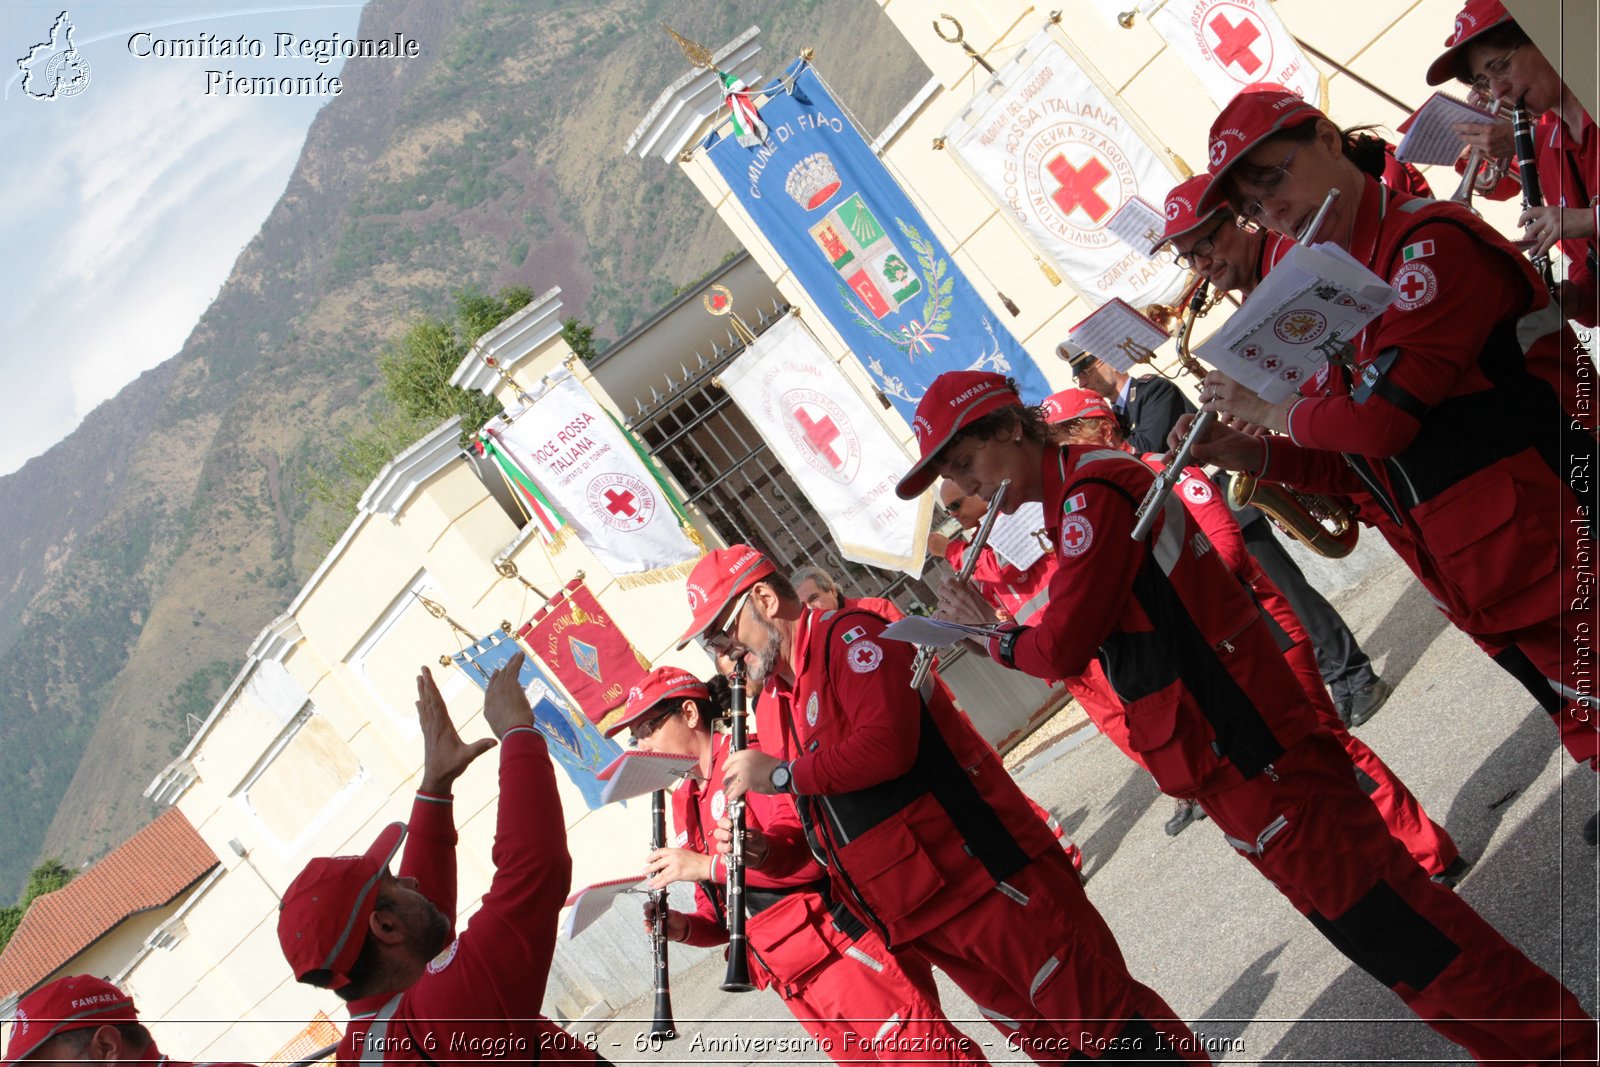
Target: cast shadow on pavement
point(1404, 633)
point(1225, 1020)
point(1137, 793)
point(1548, 915)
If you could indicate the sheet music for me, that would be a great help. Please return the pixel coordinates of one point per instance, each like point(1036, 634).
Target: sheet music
point(635, 773)
point(1012, 536)
point(1428, 134)
point(1117, 334)
point(935, 633)
point(1138, 223)
point(593, 901)
point(1306, 309)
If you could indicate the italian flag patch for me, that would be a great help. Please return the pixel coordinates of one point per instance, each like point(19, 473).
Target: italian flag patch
point(1075, 502)
point(853, 633)
point(1417, 251)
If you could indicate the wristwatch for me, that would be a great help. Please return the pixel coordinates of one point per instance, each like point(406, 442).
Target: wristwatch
point(782, 779)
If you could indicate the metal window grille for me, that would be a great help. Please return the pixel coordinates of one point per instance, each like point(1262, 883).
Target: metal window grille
point(726, 469)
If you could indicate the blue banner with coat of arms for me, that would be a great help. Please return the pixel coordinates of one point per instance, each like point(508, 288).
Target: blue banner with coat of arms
point(861, 250)
point(573, 740)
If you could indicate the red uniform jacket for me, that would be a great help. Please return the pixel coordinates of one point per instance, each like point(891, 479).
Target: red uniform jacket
point(1569, 176)
point(480, 999)
point(1018, 593)
point(1461, 414)
point(913, 808)
point(788, 915)
point(1209, 699)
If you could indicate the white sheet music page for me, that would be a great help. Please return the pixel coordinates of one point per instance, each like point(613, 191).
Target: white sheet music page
point(1429, 137)
point(1306, 310)
point(636, 773)
point(1138, 223)
point(1117, 334)
point(935, 633)
point(1018, 538)
point(593, 901)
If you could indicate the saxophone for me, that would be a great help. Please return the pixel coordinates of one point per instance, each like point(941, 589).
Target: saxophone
point(1325, 525)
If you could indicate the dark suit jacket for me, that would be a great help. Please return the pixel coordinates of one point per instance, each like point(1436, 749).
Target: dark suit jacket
point(1154, 406)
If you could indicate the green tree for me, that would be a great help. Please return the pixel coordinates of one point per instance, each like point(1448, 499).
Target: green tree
point(49, 876)
point(415, 396)
point(579, 338)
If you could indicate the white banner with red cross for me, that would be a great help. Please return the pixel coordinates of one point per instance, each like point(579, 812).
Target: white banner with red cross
point(580, 460)
point(1230, 44)
point(1060, 157)
point(832, 443)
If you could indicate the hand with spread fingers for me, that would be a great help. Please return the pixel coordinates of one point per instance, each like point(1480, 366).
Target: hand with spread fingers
point(1546, 225)
point(444, 755)
point(667, 865)
point(960, 602)
point(1222, 446)
point(1229, 399)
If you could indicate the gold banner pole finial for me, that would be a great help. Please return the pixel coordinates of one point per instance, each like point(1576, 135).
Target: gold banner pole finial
point(507, 569)
point(696, 53)
point(959, 38)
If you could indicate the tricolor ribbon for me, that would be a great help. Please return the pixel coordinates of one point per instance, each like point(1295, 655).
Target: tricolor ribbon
point(918, 336)
point(748, 129)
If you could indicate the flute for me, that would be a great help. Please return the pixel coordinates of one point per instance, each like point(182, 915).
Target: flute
point(662, 1027)
point(924, 660)
point(1156, 497)
point(737, 980)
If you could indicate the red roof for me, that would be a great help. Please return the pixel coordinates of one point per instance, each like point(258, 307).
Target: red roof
point(146, 871)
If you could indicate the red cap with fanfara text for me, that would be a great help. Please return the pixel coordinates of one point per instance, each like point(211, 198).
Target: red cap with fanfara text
point(716, 580)
point(954, 400)
point(77, 1002)
point(663, 683)
point(1478, 17)
point(1183, 209)
point(1256, 113)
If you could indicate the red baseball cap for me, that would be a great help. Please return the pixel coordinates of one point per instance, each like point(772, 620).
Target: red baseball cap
point(717, 579)
point(1183, 209)
point(1254, 114)
point(1478, 17)
point(1075, 404)
point(76, 1002)
point(322, 922)
point(663, 683)
point(955, 399)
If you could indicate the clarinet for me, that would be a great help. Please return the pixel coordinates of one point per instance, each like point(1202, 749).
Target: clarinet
point(662, 1028)
point(737, 980)
point(1527, 165)
point(1167, 479)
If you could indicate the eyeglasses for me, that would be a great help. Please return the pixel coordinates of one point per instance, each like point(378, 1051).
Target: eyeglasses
point(1493, 71)
point(1269, 181)
point(953, 509)
point(720, 642)
point(641, 730)
point(1203, 247)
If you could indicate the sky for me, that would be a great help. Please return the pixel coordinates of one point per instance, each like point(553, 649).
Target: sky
point(127, 195)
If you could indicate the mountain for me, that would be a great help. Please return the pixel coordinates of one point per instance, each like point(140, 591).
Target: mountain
point(142, 554)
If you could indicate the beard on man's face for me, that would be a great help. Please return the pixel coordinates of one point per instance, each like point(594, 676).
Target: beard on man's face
point(430, 926)
point(766, 652)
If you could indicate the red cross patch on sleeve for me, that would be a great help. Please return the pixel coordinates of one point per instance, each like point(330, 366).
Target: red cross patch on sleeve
point(1415, 285)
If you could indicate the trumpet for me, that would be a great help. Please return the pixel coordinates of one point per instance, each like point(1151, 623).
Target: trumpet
point(1155, 498)
point(737, 979)
point(1482, 174)
point(924, 659)
point(662, 1027)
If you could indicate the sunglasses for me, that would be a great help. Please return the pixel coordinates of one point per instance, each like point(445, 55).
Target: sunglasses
point(641, 730)
point(724, 638)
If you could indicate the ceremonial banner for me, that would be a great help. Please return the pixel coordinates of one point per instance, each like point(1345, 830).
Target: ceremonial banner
point(584, 465)
point(1229, 44)
point(1059, 158)
point(533, 504)
point(863, 253)
point(832, 443)
point(584, 648)
point(573, 740)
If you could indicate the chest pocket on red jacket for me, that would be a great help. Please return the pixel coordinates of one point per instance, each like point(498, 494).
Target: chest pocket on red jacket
point(1490, 536)
point(902, 874)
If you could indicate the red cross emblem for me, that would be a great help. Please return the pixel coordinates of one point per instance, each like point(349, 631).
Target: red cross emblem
point(820, 435)
point(1234, 41)
point(620, 502)
point(1076, 535)
point(1415, 284)
point(1412, 286)
point(1079, 185)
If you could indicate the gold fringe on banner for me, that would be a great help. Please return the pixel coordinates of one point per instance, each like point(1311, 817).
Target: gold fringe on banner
point(676, 573)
